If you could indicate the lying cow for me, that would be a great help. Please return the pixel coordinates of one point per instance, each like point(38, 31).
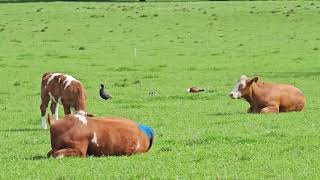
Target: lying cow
point(268, 97)
point(82, 136)
point(61, 89)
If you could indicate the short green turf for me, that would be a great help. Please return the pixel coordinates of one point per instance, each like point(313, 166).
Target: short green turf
point(164, 48)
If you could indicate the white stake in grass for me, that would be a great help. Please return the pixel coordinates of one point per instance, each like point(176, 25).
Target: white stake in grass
point(135, 52)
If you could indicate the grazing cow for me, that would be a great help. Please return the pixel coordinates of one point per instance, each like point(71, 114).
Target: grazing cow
point(266, 97)
point(82, 136)
point(61, 89)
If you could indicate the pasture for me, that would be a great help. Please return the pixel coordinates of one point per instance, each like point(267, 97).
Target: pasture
point(164, 47)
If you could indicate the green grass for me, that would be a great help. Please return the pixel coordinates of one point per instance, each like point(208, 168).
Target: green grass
point(206, 44)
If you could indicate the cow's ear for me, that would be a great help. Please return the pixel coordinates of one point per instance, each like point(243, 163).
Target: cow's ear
point(250, 81)
point(255, 79)
point(90, 115)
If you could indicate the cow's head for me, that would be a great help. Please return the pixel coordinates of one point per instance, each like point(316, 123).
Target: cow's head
point(242, 87)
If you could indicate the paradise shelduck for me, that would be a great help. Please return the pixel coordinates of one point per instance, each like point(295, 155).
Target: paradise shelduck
point(194, 90)
point(104, 95)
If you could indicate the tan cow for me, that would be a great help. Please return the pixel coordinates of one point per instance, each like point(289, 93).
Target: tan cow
point(82, 136)
point(61, 89)
point(266, 97)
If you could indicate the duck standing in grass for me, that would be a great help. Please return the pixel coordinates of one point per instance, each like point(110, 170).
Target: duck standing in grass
point(103, 94)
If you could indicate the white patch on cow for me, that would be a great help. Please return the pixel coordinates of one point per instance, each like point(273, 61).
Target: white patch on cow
point(188, 90)
point(59, 100)
point(60, 156)
point(82, 119)
point(55, 115)
point(52, 77)
point(56, 112)
point(82, 113)
point(94, 140)
point(52, 98)
point(68, 80)
point(235, 93)
point(43, 122)
point(138, 146)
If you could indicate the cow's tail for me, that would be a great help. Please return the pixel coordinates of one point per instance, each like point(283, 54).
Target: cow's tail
point(50, 120)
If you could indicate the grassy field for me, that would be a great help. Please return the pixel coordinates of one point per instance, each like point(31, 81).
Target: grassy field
point(178, 45)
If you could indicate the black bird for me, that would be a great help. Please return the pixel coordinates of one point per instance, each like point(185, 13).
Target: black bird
point(104, 95)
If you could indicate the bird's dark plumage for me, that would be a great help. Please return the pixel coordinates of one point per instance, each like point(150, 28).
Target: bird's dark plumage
point(104, 95)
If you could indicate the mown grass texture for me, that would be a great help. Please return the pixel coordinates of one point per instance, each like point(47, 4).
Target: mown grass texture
point(164, 48)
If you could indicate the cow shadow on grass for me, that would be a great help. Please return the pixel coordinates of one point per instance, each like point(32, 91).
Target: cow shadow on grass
point(224, 122)
point(22, 130)
point(37, 157)
point(226, 113)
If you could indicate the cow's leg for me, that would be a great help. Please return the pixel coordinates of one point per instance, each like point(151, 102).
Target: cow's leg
point(79, 149)
point(68, 152)
point(43, 107)
point(270, 109)
point(67, 109)
point(54, 110)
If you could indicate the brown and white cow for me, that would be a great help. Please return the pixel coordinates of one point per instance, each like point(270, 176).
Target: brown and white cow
point(82, 136)
point(266, 97)
point(61, 89)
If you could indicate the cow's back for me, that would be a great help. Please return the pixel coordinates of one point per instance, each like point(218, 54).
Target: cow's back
point(288, 97)
point(116, 136)
point(61, 83)
point(292, 98)
point(63, 87)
